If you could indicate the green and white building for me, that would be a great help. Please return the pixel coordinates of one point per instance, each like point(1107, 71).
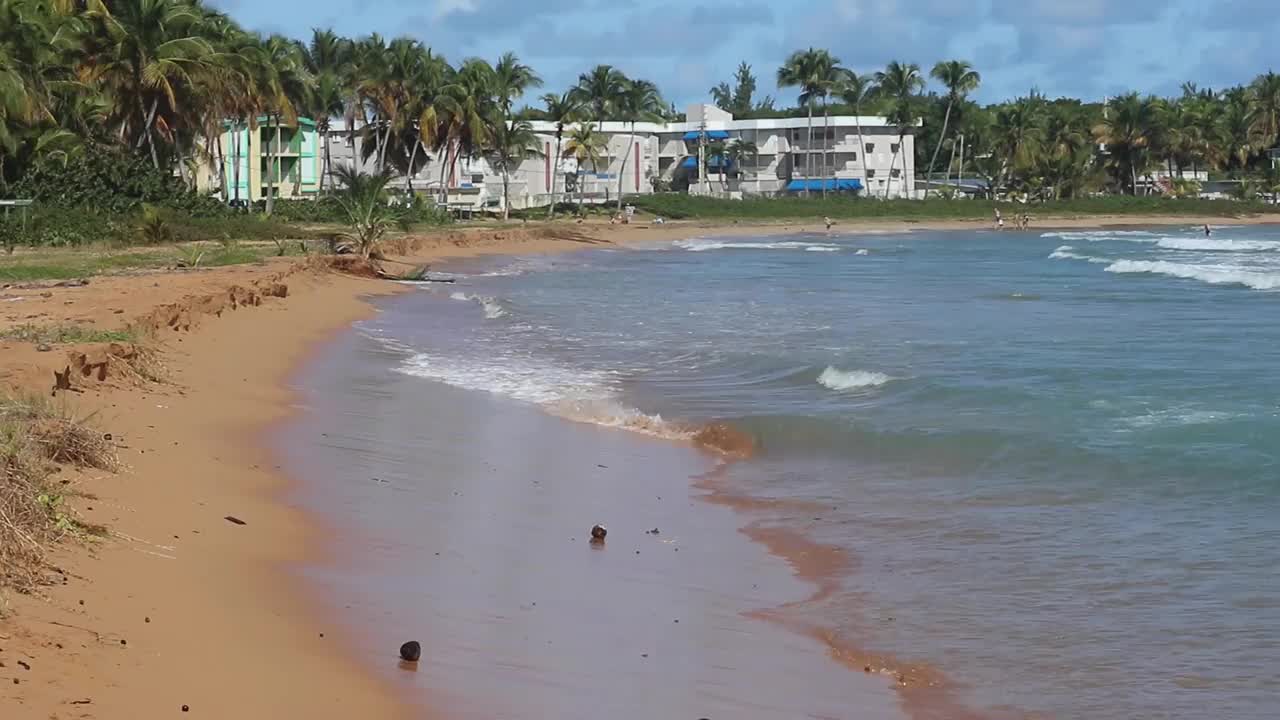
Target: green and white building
point(285, 158)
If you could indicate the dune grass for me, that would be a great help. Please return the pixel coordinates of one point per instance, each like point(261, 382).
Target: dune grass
point(36, 436)
point(65, 334)
point(37, 264)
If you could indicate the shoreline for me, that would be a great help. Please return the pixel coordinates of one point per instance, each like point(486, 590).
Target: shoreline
point(203, 604)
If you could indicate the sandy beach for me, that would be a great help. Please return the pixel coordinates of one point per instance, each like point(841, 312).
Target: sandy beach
point(189, 600)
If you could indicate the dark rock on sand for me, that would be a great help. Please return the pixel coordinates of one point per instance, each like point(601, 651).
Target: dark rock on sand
point(411, 651)
point(598, 532)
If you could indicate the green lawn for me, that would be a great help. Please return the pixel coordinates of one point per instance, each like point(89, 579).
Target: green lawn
point(29, 265)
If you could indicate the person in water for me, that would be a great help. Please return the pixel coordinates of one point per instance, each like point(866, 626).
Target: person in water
point(1207, 230)
point(827, 220)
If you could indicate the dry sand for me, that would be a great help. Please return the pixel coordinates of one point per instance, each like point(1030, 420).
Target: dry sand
point(180, 606)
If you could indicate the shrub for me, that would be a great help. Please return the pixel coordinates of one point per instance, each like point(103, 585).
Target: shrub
point(109, 181)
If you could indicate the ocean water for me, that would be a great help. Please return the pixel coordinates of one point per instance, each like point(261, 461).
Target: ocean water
point(1055, 456)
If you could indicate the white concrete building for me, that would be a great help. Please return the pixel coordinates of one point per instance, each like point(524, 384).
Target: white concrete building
point(666, 155)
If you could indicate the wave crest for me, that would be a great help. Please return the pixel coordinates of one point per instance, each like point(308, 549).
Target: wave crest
point(492, 306)
point(1212, 274)
point(836, 379)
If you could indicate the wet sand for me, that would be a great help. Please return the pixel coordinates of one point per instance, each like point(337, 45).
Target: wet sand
point(479, 511)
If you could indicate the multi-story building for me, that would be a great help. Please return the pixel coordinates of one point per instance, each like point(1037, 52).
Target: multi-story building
point(284, 157)
point(849, 154)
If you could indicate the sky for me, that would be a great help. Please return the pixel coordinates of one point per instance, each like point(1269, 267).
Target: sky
point(1079, 48)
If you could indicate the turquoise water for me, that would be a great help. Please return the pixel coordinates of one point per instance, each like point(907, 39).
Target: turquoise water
point(1056, 455)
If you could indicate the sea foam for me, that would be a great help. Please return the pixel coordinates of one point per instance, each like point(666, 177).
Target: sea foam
point(836, 379)
point(1212, 274)
point(1066, 252)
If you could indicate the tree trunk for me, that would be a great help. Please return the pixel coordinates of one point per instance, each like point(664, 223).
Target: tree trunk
point(326, 166)
point(808, 155)
point(622, 171)
point(273, 126)
point(826, 130)
point(862, 148)
point(235, 154)
point(555, 172)
point(946, 120)
point(182, 166)
point(444, 168)
point(146, 129)
point(506, 194)
point(408, 176)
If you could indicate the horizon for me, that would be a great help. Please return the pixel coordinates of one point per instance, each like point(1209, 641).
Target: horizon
point(1089, 50)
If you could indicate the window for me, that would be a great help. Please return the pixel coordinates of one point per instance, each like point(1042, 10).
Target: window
point(871, 174)
point(800, 160)
point(893, 147)
point(895, 172)
point(797, 134)
point(871, 147)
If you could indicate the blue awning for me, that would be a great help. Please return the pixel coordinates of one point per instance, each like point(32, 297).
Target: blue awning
point(848, 184)
point(712, 162)
point(689, 162)
point(693, 135)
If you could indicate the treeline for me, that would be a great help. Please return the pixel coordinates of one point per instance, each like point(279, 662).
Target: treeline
point(1033, 146)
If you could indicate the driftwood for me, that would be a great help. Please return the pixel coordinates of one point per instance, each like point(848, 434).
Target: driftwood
point(417, 274)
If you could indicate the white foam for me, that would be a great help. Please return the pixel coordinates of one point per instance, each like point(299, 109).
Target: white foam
point(862, 251)
point(1065, 252)
point(493, 308)
point(835, 379)
point(704, 245)
point(1102, 235)
point(581, 396)
point(1212, 274)
point(1209, 244)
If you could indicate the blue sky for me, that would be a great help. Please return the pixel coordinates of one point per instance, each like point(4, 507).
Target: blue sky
point(1081, 48)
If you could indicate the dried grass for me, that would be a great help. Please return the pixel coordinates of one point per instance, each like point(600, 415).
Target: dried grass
point(37, 435)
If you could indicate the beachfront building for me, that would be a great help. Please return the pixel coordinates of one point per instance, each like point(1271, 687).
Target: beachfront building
point(284, 157)
point(654, 157)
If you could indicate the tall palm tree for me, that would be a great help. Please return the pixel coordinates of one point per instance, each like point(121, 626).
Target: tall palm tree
point(815, 72)
point(960, 79)
point(899, 84)
point(511, 142)
point(561, 110)
point(738, 152)
point(601, 90)
point(286, 83)
point(325, 59)
point(1265, 92)
point(586, 144)
point(640, 101)
point(855, 90)
point(1239, 133)
point(1126, 131)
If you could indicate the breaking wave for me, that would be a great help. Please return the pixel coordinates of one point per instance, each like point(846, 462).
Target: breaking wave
point(1212, 274)
point(492, 306)
point(1212, 245)
point(836, 379)
point(1066, 252)
point(704, 245)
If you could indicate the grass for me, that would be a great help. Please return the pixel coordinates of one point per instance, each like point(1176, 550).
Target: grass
point(678, 206)
point(36, 437)
point(35, 264)
point(66, 334)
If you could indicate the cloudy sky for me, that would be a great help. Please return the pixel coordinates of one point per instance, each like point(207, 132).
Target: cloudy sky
point(1081, 48)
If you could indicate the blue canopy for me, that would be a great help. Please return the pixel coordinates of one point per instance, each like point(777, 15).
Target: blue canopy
point(712, 161)
point(711, 135)
point(849, 184)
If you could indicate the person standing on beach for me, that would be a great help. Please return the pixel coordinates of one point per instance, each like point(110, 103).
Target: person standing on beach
point(999, 220)
point(827, 220)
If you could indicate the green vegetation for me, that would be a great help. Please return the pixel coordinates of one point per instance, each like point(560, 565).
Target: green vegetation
point(64, 334)
point(36, 435)
point(677, 206)
point(68, 264)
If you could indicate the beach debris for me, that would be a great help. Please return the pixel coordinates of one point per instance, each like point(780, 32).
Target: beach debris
point(234, 520)
point(44, 347)
point(146, 619)
point(652, 532)
point(24, 665)
point(598, 533)
point(411, 651)
point(86, 701)
point(186, 709)
point(866, 669)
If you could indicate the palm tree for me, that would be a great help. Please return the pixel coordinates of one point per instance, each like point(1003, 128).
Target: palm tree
point(285, 81)
point(510, 144)
point(325, 58)
point(898, 84)
point(601, 90)
point(1126, 131)
point(1266, 108)
point(640, 101)
point(1239, 133)
point(739, 152)
point(815, 72)
point(561, 110)
point(854, 90)
point(364, 203)
point(586, 145)
point(960, 79)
